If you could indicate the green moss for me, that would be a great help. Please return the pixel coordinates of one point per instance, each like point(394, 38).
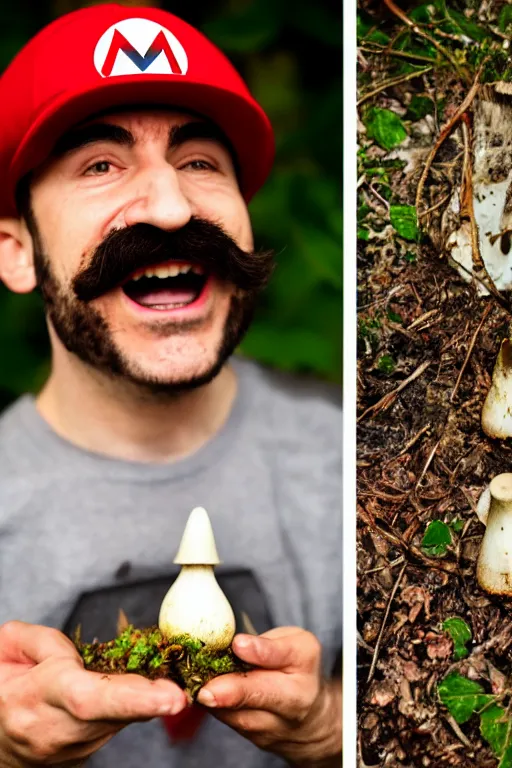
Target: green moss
point(183, 659)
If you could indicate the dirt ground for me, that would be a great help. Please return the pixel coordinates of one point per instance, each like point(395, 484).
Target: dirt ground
point(427, 345)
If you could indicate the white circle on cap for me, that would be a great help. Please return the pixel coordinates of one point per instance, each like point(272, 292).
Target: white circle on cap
point(139, 47)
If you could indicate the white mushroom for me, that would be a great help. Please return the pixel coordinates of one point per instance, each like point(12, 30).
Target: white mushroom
point(494, 567)
point(497, 410)
point(195, 605)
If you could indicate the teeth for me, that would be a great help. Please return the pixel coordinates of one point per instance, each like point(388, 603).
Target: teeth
point(173, 270)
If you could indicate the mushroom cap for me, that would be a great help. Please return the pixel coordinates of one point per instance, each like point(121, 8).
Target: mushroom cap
point(501, 487)
point(197, 545)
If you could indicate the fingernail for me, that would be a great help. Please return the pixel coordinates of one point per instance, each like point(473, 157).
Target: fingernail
point(206, 698)
point(243, 643)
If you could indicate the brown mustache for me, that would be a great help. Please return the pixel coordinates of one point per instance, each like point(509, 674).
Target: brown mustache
point(199, 242)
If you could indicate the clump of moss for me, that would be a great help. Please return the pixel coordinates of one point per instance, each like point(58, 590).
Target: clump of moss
point(147, 652)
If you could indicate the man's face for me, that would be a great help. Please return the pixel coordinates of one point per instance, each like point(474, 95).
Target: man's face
point(158, 172)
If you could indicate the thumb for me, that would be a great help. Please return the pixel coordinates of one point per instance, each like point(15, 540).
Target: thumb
point(289, 649)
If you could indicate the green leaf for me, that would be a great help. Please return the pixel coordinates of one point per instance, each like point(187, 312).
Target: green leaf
point(466, 26)
point(495, 728)
point(419, 106)
point(506, 760)
point(505, 18)
point(366, 31)
point(457, 525)
point(386, 364)
point(394, 317)
point(362, 234)
point(385, 127)
point(422, 14)
point(462, 697)
point(460, 634)
point(404, 220)
point(436, 539)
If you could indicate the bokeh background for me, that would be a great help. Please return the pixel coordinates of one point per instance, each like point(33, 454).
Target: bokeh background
point(290, 55)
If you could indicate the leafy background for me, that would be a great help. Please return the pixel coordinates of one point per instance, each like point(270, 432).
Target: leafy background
point(290, 57)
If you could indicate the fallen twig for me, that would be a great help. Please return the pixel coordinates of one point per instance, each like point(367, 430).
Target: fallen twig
point(386, 401)
point(399, 54)
point(410, 443)
point(422, 318)
point(427, 464)
point(461, 736)
point(384, 620)
point(392, 81)
point(470, 350)
point(445, 132)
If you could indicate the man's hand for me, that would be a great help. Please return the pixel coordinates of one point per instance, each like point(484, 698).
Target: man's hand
point(285, 706)
point(54, 712)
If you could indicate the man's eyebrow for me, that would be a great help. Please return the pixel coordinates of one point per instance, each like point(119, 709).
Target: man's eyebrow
point(89, 134)
point(179, 134)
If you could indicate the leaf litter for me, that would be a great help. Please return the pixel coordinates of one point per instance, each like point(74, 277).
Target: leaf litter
point(434, 650)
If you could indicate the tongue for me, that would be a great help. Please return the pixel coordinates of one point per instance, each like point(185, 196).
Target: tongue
point(166, 296)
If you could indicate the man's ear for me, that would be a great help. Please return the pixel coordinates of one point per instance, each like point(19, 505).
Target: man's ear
point(16, 256)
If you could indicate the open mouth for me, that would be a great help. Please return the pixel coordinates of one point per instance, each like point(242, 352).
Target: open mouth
point(166, 287)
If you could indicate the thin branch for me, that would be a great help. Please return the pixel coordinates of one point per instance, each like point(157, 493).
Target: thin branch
point(445, 132)
point(461, 736)
point(420, 320)
point(410, 443)
point(386, 401)
point(427, 464)
point(399, 54)
point(384, 620)
point(392, 82)
point(470, 350)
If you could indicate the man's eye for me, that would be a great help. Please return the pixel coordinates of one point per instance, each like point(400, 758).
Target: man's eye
point(99, 168)
point(200, 165)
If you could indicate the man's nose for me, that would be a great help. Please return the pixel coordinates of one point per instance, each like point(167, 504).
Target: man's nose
point(158, 200)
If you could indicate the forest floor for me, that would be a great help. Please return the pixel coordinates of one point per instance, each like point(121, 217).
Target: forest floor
point(427, 344)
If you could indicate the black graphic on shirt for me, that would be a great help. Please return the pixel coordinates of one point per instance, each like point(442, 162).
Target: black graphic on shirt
point(97, 611)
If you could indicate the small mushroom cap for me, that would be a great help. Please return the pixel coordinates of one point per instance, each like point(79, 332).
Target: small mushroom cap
point(197, 545)
point(501, 487)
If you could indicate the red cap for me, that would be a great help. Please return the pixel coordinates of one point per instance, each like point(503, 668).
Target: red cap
point(111, 55)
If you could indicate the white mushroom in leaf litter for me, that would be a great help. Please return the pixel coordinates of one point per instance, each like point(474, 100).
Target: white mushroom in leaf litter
point(497, 410)
point(195, 605)
point(494, 567)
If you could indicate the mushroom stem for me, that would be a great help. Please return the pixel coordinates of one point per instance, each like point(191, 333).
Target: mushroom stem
point(494, 567)
point(497, 410)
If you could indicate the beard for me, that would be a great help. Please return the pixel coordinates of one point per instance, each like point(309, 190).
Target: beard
point(84, 331)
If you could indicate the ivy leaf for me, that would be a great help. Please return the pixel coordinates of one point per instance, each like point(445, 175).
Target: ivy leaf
point(419, 107)
point(436, 539)
point(462, 697)
point(505, 18)
point(386, 364)
point(404, 220)
point(466, 26)
point(460, 634)
point(385, 127)
point(496, 729)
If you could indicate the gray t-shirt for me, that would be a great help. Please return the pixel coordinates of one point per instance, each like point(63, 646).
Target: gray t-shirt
point(83, 535)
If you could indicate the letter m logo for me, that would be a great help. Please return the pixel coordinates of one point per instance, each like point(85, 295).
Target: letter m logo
point(158, 46)
point(132, 46)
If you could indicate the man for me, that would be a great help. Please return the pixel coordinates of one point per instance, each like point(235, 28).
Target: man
point(130, 152)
